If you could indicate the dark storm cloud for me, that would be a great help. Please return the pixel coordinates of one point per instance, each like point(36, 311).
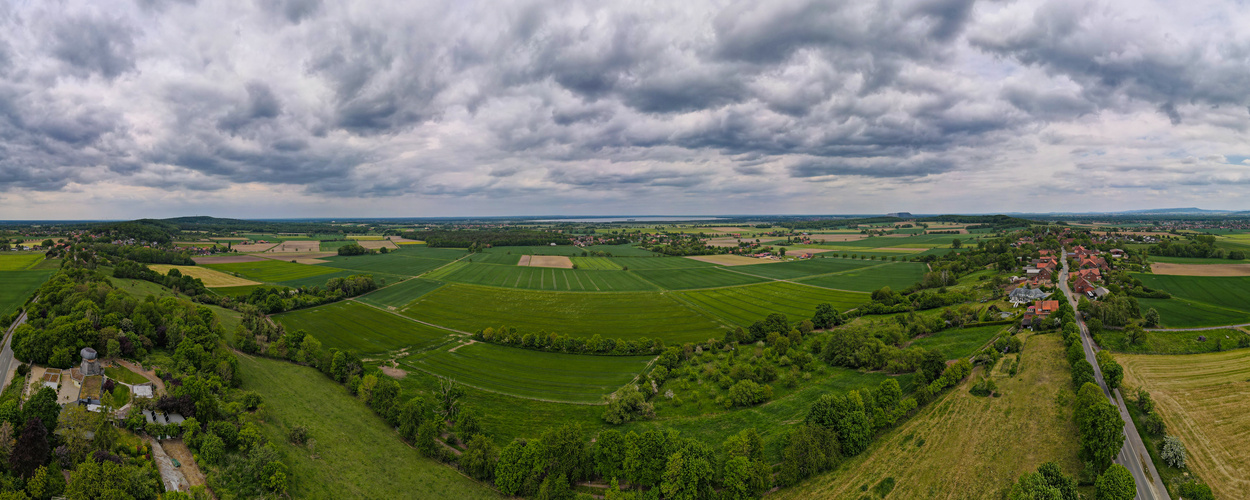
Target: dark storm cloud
point(883, 168)
point(261, 104)
point(94, 45)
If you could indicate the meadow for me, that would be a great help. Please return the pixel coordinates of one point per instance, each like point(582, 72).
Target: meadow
point(361, 329)
point(18, 287)
point(595, 263)
point(400, 294)
point(1180, 342)
point(273, 271)
point(960, 446)
point(539, 278)
point(615, 315)
point(354, 447)
point(958, 343)
point(569, 378)
point(641, 263)
point(1202, 399)
point(744, 305)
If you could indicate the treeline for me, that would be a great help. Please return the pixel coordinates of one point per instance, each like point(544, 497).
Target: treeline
point(1200, 246)
point(482, 238)
point(140, 230)
point(555, 342)
point(273, 300)
point(78, 308)
point(137, 253)
point(838, 223)
point(173, 280)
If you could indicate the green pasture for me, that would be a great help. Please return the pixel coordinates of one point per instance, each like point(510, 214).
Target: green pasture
point(1180, 312)
point(1183, 342)
point(617, 315)
point(570, 378)
point(19, 261)
point(698, 277)
point(273, 271)
point(743, 305)
point(399, 294)
point(540, 278)
point(18, 287)
point(361, 329)
point(123, 375)
point(1227, 292)
point(357, 454)
point(896, 275)
point(237, 291)
point(958, 343)
point(595, 263)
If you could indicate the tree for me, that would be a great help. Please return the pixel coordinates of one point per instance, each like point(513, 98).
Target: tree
point(1173, 453)
point(826, 316)
point(212, 448)
point(1115, 484)
point(1102, 432)
point(7, 441)
point(1135, 334)
point(1082, 373)
point(43, 405)
point(610, 454)
point(1112, 372)
point(478, 459)
point(31, 449)
point(686, 477)
point(1151, 318)
point(846, 416)
point(955, 243)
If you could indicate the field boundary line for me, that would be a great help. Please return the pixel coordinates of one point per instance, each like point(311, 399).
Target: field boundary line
point(700, 309)
point(441, 327)
point(435, 375)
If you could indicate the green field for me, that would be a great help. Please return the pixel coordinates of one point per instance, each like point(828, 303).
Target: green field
point(401, 293)
point(321, 279)
point(572, 250)
point(274, 271)
point(595, 263)
point(236, 291)
point(541, 278)
point(123, 375)
point(357, 454)
point(614, 315)
point(958, 343)
point(802, 268)
point(744, 305)
point(1227, 292)
point(1192, 260)
point(1183, 342)
point(699, 277)
point(18, 287)
point(501, 258)
point(642, 264)
point(570, 378)
point(398, 262)
point(18, 261)
point(894, 275)
point(1182, 313)
point(361, 329)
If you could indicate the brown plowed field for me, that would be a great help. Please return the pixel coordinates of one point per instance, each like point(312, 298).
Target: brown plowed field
point(1200, 269)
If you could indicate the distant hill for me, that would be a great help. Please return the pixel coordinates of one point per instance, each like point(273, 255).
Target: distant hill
point(1190, 210)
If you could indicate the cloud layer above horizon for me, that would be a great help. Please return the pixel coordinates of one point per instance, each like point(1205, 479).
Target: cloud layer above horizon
point(306, 108)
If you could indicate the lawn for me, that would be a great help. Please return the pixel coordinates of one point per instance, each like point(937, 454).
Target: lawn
point(123, 375)
point(273, 271)
point(614, 315)
point(963, 446)
point(1202, 398)
point(540, 278)
point(18, 287)
point(18, 261)
point(357, 454)
point(894, 275)
point(699, 277)
point(743, 305)
point(361, 329)
point(400, 294)
point(570, 378)
point(958, 343)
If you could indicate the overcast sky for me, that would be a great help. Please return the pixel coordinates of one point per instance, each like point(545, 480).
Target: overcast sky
point(310, 108)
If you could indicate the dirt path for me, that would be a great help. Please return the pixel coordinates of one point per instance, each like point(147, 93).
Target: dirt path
point(470, 342)
point(176, 449)
point(171, 476)
point(150, 375)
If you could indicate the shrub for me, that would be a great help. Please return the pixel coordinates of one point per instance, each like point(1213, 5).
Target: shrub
point(1154, 424)
point(1172, 451)
point(298, 435)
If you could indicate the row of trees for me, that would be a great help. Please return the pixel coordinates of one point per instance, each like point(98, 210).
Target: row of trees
point(481, 238)
point(555, 342)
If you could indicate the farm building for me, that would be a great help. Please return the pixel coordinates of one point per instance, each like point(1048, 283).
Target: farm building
point(51, 378)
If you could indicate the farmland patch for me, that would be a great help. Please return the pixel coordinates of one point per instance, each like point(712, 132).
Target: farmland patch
point(729, 259)
point(1165, 268)
point(361, 328)
point(212, 278)
point(743, 305)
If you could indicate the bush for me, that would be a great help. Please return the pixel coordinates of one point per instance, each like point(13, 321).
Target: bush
point(984, 387)
point(748, 393)
point(1195, 490)
point(1172, 451)
point(1154, 424)
point(298, 435)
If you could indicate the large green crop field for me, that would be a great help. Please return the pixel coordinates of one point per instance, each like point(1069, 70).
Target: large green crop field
point(273, 271)
point(616, 315)
point(1228, 292)
point(18, 261)
point(19, 286)
point(357, 454)
point(699, 277)
point(541, 278)
point(1177, 312)
point(641, 263)
point(595, 263)
point(401, 293)
point(802, 268)
point(744, 305)
point(571, 378)
point(894, 275)
point(398, 262)
point(361, 329)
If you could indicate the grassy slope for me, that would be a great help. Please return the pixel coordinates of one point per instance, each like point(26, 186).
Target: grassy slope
point(972, 447)
point(1202, 398)
point(958, 343)
point(400, 294)
point(356, 455)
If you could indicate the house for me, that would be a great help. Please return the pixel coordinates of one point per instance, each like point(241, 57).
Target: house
point(1039, 311)
point(1082, 286)
point(51, 378)
point(1116, 253)
point(1025, 295)
point(1101, 292)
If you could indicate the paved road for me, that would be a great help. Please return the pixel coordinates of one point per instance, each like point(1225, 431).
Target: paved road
point(1133, 455)
point(6, 355)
